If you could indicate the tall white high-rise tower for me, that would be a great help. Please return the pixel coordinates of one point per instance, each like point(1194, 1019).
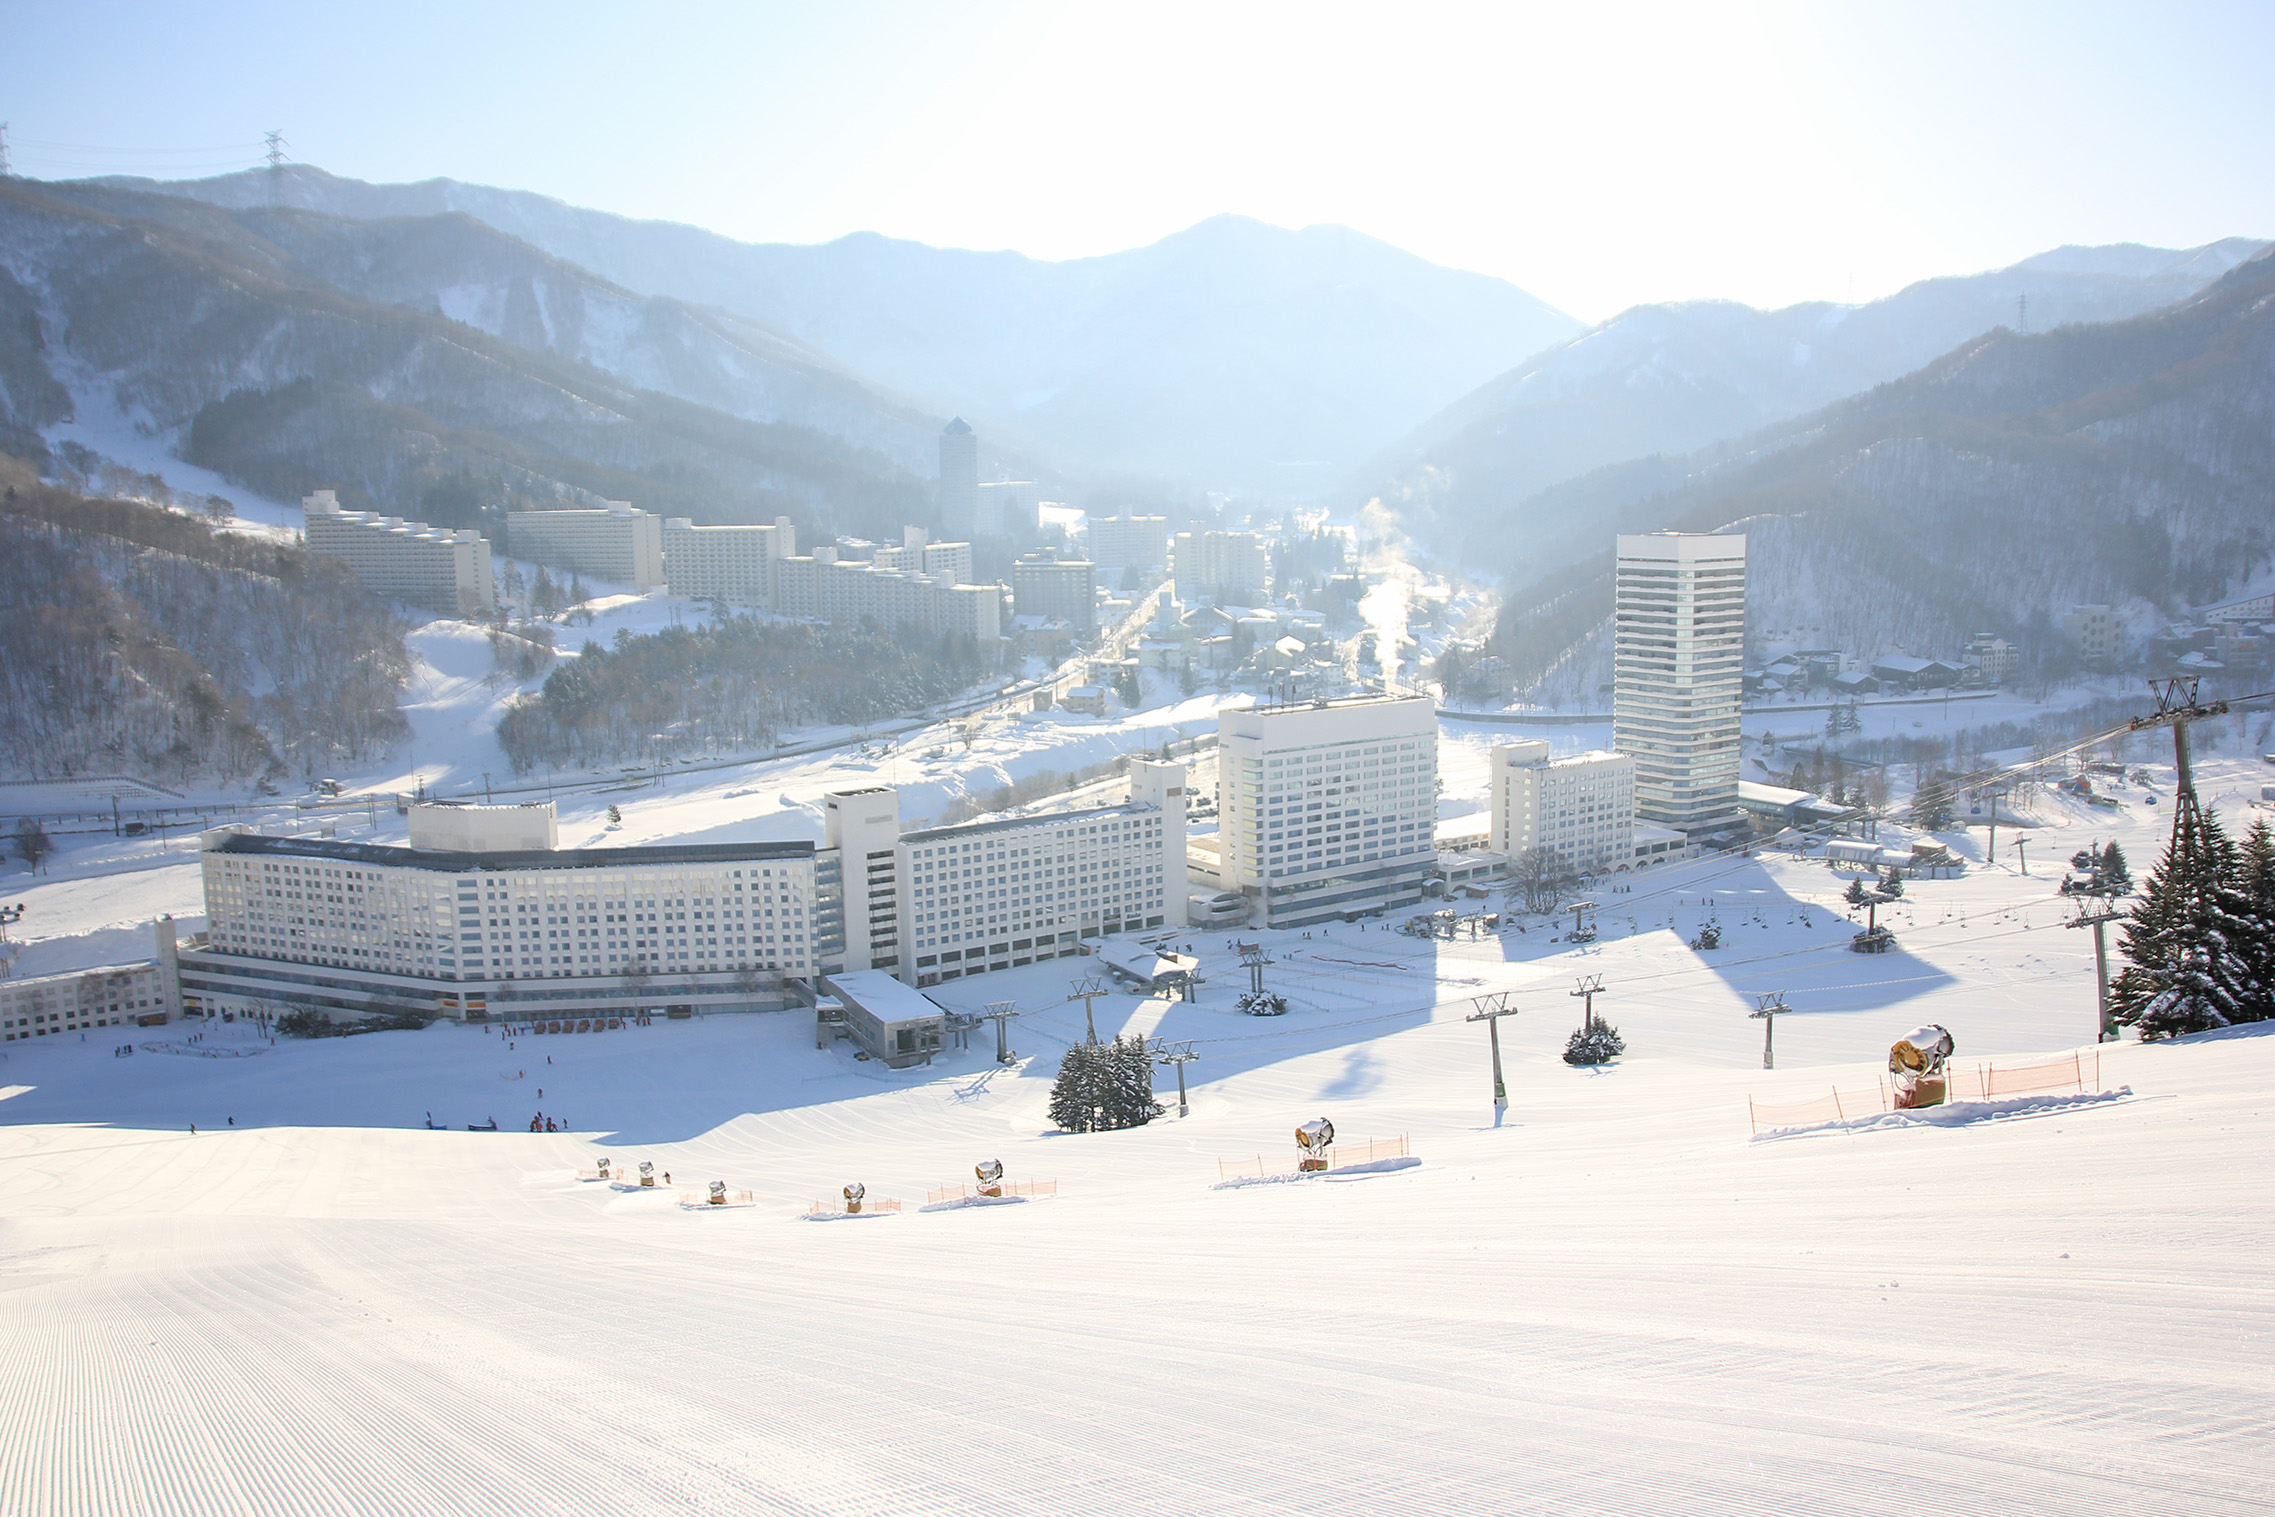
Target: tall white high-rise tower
point(959, 480)
point(1677, 674)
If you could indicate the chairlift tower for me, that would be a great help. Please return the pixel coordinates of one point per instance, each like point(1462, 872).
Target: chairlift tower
point(1491, 1007)
point(1768, 1009)
point(1178, 1055)
point(1001, 1013)
point(1086, 990)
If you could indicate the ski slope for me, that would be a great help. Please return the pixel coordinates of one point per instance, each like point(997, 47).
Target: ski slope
point(1615, 1301)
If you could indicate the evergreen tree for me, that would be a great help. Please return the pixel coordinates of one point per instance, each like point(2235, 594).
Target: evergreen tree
point(1892, 884)
point(2178, 942)
point(1103, 1087)
point(1856, 895)
point(2248, 912)
point(2116, 875)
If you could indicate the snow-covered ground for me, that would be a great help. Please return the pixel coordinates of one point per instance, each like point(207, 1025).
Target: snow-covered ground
point(1616, 1301)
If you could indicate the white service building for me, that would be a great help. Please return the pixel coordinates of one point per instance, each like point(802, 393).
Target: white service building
point(1328, 809)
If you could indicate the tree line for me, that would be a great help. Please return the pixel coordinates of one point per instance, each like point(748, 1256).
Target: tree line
point(727, 685)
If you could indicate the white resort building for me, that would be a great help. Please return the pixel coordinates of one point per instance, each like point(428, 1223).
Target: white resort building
point(437, 568)
point(1328, 809)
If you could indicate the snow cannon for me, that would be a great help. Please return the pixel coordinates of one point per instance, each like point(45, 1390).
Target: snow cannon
point(718, 1192)
point(604, 1169)
point(1312, 1140)
point(1915, 1066)
point(647, 1173)
point(853, 1195)
point(990, 1173)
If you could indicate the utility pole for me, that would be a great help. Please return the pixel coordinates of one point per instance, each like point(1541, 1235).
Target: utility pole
point(1769, 1008)
point(2099, 921)
point(1491, 1008)
point(1001, 1013)
point(1179, 1055)
point(1589, 986)
point(1087, 990)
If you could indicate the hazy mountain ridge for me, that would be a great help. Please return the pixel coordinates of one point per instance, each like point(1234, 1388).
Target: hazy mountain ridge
point(2128, 463)
point(215, 332)
point(1672, 379)
point(1093, 359)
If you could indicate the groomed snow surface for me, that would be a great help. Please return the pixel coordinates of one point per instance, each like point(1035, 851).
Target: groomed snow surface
point(1617, 1301)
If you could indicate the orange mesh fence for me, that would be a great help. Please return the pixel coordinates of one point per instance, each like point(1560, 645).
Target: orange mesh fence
point(1338, 1156)
point(1008, 1188)
point(833, 1208)
point(2059, 1074)
point(1837, 1106)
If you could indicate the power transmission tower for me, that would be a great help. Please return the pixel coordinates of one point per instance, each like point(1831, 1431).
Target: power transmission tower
point(1086, 991)
point(1490, 1009)
point(2022, 312)
point(1589, 985)
point(2099, 921)
point(1179, 1055)
point(275, 155)
point(4, 170)
point(1770, 1008)
point(1001, 1013)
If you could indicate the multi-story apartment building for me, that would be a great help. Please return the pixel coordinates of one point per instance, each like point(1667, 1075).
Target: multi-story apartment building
point(1328, 809)
point(732, 563)
point(117, 995)
point(2099, 634)
point(434, 567)
point(1994, 659)
point(1678, 674)
point(348, 928)
point(1129, 542)
point(618, 542)
point(959, 478)
point(1055, 589)
point(821, 586)
point(1001, 894)
point(1220, 566)
point(918, 554)
point(1582, 807)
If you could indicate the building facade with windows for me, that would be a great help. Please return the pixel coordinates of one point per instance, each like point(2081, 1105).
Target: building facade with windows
point(823, 588)
point(1581, 807)
point(618, 542)
point(1056, 589)
point(1129, 542)
point(1220, 566)
point(349, 928)
point(142, 994)
point(434, 567)
point(733, 564)
point(1678, 674)
point(1328, 809)
point(1006, 893)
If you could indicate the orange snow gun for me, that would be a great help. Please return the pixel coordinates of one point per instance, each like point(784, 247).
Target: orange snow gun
point(647, 1173)
point(718, 1192)
point(1915, 1067)
point(853, 1195)
point(1312, 1140)
point(990, 1174)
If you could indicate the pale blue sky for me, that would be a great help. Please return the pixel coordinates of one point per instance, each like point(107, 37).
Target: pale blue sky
point(1597, 156)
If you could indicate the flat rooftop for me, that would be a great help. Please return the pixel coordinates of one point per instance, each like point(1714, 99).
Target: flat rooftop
point(444, 861)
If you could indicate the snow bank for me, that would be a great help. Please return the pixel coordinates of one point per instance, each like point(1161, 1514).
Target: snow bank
point(1953, 1114)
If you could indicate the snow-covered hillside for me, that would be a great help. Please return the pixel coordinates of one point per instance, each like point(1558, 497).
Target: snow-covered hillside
point(1616, 1301)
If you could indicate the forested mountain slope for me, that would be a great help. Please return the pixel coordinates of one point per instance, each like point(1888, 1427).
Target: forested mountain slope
point(2131, 463)
point(286, 351)
point(1219, 354)
point(1670, 379)
point(138, 640)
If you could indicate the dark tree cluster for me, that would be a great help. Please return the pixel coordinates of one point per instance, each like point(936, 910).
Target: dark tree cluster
point(1102, 1087)
point(2200, 946)
point(726, 686)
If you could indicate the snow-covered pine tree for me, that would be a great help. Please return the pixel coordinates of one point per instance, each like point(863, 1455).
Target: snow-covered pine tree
point(2248, 911)
point(2116, 875)
point(1125, 1096)
point(1074, 1094)
point(1855, 895)
point(1599, 1044)
point(2188, 1000)
point(2179, 919)
point(1892, 884)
